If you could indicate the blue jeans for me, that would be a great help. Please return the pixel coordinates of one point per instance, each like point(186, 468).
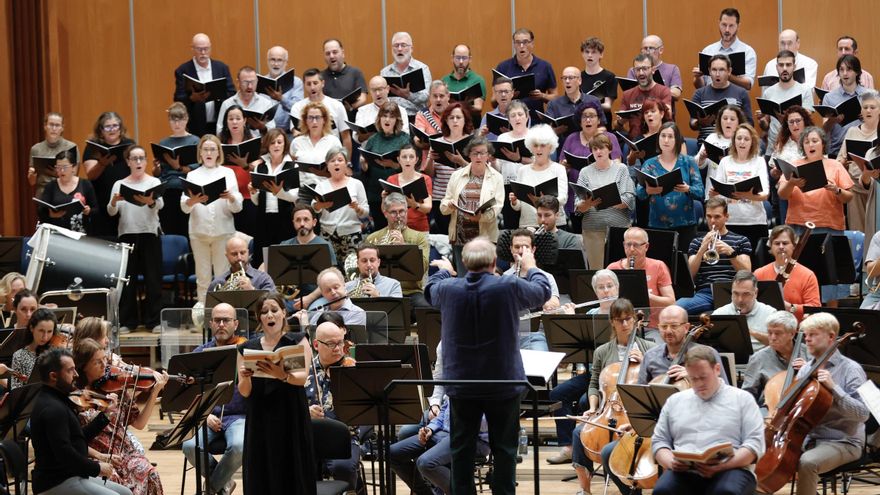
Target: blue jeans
point(221, 472)
point(567, 392)
point(534, 341)
point(432, 461)
point(699, 303)
point(606, 455)
point(502, 416)
point(731, 482)
point(346, 469)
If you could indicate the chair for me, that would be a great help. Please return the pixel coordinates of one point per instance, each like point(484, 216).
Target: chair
point(332, 441)
point(15, 463)
point(174, 247)
point(217, 446)
point(848, 471)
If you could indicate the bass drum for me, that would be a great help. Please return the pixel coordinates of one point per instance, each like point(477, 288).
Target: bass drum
point(62, 260)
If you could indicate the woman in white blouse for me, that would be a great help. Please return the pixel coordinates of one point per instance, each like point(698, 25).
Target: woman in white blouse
point(274, 201)
point(316, 139)
point(210, 224)
point(342, 226)
point(139, 226)
point(541, 141)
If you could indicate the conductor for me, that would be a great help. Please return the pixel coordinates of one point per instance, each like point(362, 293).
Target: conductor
point(479, 333)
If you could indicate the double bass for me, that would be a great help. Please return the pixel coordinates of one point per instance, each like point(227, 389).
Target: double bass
point(599, 431)
point(801, 408)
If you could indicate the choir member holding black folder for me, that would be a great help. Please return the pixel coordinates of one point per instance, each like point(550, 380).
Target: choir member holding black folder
point(241, 148)
point(104, 165)
point(67, 201)
point(543, 174)
point(858, 143)
point(273, 189)
point(342, 202)
point(416, 188)
point(173, 158)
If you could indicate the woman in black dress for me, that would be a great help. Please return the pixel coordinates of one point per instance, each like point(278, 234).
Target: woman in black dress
point(278, 451)
point(64, 189)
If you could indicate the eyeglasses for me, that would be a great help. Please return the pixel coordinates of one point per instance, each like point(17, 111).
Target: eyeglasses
point(396, 213)
point(606, 287)
point(633, 245)
point(137, 159)
point(332, 345)
point(589, 116)
point(461, 58)
point(795, 121)
point(110, 127)
point(669, 326)
point(400, 45)
point(222, 321)
point(641, 69)
point(314, 118)
point(522, 42)
point(247, 83)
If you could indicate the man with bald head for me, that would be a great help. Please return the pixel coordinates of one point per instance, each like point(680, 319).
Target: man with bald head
point(480, 317)
point(567, 103)
point(401, 50)
point(202, 110)
point(276, 60)
point(238, 255)
point(341, 79)
point(227, 420)
point(463, 77)
point(652, 45)
point(366, 115)
point(789, 40)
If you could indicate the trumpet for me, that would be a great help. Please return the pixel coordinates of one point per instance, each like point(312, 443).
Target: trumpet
point(711, 256)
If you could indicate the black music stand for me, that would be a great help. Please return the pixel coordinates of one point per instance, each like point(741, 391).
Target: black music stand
point(682, 280)
point(13, 341)
point(643, 404)
point(567, 259)
point(867, 352)
point(415, 355)
point(10, 254)
point(193, 420)
point(662, 245)
point(830, 258)
point(633, 286)
point(246, 299)
point(392, 313)
point(16, 410)
point(403, 262)
point(428, 329)
point(359, 400)
point(576, 335)
point(769, 293)
point(729, 333)
point(297, 264)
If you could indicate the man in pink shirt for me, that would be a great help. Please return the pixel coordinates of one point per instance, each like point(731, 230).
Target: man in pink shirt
point(846, 45)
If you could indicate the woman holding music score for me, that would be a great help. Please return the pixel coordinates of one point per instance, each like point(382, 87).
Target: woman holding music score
point(104, 170)
point(469, 188)
point(801, 287)
point(746, 213)
point(65, 188)
point(342, 226)
point(654, 113)
point(541, 141)
point(113, 445)
point(417, 213)
point(518, 116)
point(623, 323)
point(315, 140)
point(278, 451)
point(600, 173)
point(169, 169)
point(862, 210)
point(726, 123)
point(389, 137)
point(275, 200)
point(41, 329)
point(210, 224)
point(821, 206)
point(236, 131)
point(794, 120)
point(675, 210)
point(455, 125)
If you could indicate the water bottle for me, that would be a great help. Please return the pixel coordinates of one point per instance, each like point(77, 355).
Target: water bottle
point(523, 442)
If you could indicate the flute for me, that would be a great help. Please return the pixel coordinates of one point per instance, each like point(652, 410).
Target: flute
point(536, 314)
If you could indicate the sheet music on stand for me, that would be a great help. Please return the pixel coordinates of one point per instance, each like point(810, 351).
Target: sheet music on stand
point(540, 365)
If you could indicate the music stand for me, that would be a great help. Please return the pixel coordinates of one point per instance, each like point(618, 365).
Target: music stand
point(65, 316)
point(10, 254)
point(208, 368)
point(567, 259)
point(540, 366)
point(633, 286)
point(297, 264)
point(662, 245)
point(395, 314)
point(16, 410)
point(867, 352)
point(403, 262)
point(428, 329)
point(829, 258)
point(729, 333)
point(13, 341)
point(246, 299)
point(576, 336)
point(682, 280)
point(643, 404)
point(415, 355)
point(769, 293)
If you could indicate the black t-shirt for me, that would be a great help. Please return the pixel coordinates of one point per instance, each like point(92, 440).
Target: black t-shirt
point(609, 89)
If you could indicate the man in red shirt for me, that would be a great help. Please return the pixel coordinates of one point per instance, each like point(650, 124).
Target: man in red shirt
point(643, 66)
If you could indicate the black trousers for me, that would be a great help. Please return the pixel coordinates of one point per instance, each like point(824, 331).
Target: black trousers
point(145, 260)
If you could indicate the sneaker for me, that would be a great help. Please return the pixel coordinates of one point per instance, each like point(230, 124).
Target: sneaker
point(124, 330)
point(157, 329)
point(561, 457)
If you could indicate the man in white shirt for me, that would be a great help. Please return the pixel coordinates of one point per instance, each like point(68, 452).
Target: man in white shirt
point(276, 60)
point(401, 49)
point(201, 108)
point(314, 91)
point(728, 27)
point(248, 98)
point(789, 40)
point(744, 301)
point(367, 114)
point(846, 45)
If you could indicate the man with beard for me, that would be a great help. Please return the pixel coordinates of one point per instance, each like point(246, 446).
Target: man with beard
point(304, 222)
point(633, 98)
point(238, 255)
point(401, 49)
point(248, 98)
point(720, 88)
point(728, 27)
point(341, 79)
point(785, 89)
point(276, 59)
point(462, 77)
point(62, 463)
point(744, 301)
point(201, 109)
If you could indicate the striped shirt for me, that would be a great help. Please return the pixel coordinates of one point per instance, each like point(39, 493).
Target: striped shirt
point(723, 271)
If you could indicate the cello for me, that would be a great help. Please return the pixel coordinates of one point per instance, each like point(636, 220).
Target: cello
point(693, 334)
point(780, 382)
point(598, 432)
point(801, 408)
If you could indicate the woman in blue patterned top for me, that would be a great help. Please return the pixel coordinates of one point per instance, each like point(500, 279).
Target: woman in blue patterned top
point(675, 210)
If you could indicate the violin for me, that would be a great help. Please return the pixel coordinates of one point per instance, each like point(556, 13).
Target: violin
point(63, 338)
point(693, 334)
point(87, 399)
point(801, 408)
point(118, 378)
point(594, 436)
point(780, 382)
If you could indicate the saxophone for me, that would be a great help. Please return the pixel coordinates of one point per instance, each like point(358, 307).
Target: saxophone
point(232, 283)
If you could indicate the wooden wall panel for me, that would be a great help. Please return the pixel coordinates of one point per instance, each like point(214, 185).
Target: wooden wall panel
point(90, 62)
point(301, 28)
point(559, 32)
point(482, 25)
point(10, 170)
point(819, 24)
point(163, 34)
point(686, 32)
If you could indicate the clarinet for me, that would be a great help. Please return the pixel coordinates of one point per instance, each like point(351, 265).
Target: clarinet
point(632, 262)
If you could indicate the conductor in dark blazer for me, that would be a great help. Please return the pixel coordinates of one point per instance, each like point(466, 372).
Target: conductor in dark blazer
point(202, 110)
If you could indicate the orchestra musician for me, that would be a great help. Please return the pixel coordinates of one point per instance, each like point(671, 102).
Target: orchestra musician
point(773, 359)
point(23, 306)
point(369, 282)
point(304, 222)
point(41, 329)
point(227, 420)
point(708, 414)
point(623, 322)
point(238, 256)
point(840, 437)
point(658, 360)
point(331, 283)
point(112, 444)
point(330, 348)
point(801, 288)
point(62, 465)
point(744, 301)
